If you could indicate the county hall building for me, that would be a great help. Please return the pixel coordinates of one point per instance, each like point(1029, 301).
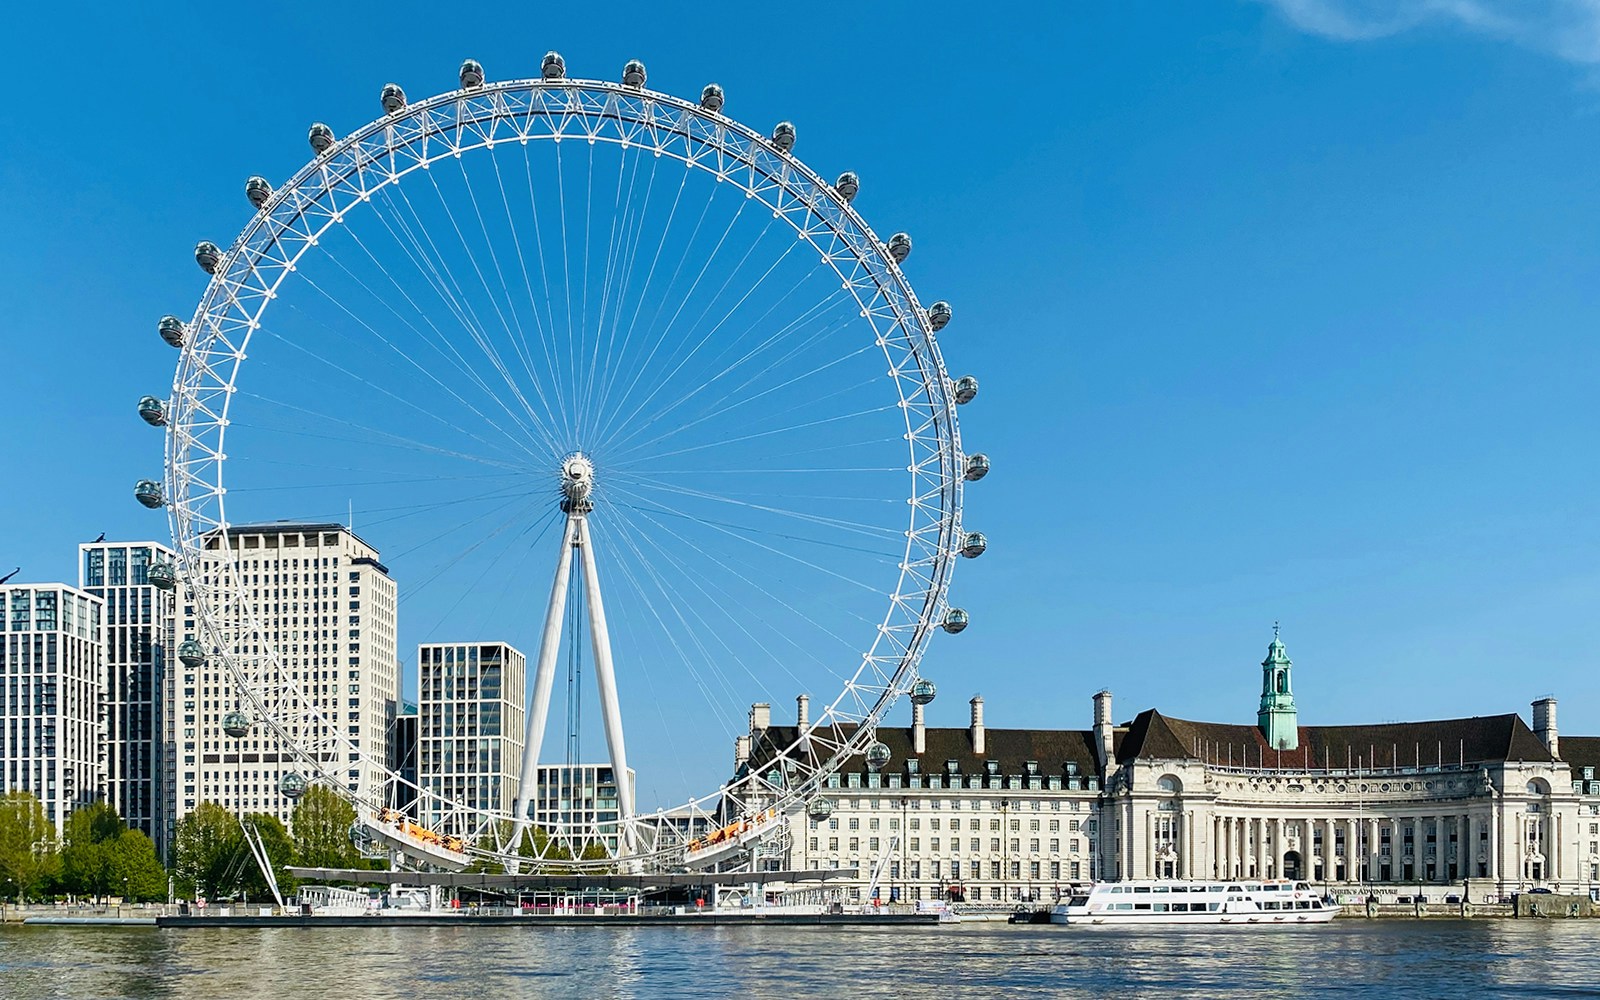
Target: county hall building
point(1002, 815)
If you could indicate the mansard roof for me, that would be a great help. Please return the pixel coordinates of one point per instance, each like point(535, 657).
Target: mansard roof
point(1479, 739)
point(1011, 749)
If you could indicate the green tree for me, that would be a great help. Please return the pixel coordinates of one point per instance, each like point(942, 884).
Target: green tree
point(207, 852)
point(29, 859)
point(280, 850)
point(135, 870)
point(86, 852)
point(322, 821)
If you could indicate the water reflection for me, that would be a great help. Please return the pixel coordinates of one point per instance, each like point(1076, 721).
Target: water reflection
point(1352, 958)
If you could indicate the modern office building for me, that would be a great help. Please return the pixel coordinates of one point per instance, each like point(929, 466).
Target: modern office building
point(580, 799)
point(52, 740)
point(403, 738)
point(471, 705)
point(315, 634)
point(1001, 815)
point(139, 772)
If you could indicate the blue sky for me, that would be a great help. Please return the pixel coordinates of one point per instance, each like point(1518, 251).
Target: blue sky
point(1282, 312)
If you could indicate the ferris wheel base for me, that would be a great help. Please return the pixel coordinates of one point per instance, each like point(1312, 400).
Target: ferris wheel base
point(400, 834)
point(733, 839)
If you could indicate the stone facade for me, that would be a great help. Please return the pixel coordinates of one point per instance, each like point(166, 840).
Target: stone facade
point(1003, 815)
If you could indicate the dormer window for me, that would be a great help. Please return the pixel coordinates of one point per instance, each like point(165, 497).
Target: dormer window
point(1072, 767)
point(911, 765)
point(991, 767)
point(1033, 767)
point(952, 767)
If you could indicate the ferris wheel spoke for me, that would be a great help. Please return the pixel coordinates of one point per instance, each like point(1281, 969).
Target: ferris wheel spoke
point(782, 335)
point(729, 598)
point(433, 267)
point(452, 356)
point(757, 435)
point(611, 377)
point(865, 528)
point(514, 330)
point(388, 438)
point(677, 363)
point(626, 223)
point(476, 328)
point(647, 366)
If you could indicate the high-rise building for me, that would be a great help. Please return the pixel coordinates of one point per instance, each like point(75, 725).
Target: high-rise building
point(315, 635)
point(51, 735)
point(470, 711)
point(578, 798)
point(139, 772)
point(403, 759)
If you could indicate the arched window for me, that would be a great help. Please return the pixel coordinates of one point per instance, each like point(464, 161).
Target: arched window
point(1538, 787)
point(1169, 783)
point(1283, 683)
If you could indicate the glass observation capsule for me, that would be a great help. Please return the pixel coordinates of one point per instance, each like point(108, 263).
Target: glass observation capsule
point(162, 575)
point(966, 389)
point(172, 330)
point(258, 191)
point(711, 98)
point(923, 692)
point(191, 653)
point(321, 138)
point(848, 185)
point(471, 76)
point(633, 74)
point(152, 411)
point(955, 620)
point(553, 67)
point(783, 136)
point(939, 315)
point(393, 98)
point(819, 809)
point(977, 467)
point(877, 756)
point(293, 785)
point(973, 545)
point(236, 724)
point(207, 256)
point(900, 247)
point(148, 492)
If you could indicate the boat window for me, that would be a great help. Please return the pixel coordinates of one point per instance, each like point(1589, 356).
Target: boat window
point(1160, 888)
point(1214, 906)
point(1180, 888)
point(1180, 907)
point(1141, 888)
point(1251, 887)
point(1141, 906)
point(1215, 888)
point(1077, 900)
point(1124, 906)
point(1271, 904)
point(1236, 888)
point(1160, 907)
point(1118, 889)
point(1303, 887)
point(1304, 904)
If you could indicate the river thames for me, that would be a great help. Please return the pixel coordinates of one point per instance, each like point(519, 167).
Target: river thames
point(1350, 958)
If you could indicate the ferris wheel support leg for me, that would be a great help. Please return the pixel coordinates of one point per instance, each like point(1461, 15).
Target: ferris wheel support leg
point(543, 680)
point(606, 681)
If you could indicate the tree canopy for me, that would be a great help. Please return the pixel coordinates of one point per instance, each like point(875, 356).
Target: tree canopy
point(280, 852)
point(86, 851)
point(209, 852)
point(322, 821)
point(30, 861)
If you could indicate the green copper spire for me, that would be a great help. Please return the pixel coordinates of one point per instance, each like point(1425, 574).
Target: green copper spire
point(1277, 718)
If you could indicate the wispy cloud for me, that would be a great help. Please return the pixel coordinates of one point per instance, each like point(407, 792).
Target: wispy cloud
point(1568, 29)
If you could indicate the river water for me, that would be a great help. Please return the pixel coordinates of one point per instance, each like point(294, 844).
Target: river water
point(1349, 958)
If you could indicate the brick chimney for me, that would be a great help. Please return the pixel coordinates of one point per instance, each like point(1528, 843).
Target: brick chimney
point(977, 724)
point(1544, 725)
point(1103, 731)
point(760, 717)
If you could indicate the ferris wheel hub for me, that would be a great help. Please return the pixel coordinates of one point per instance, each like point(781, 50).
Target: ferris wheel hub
point(577, 483)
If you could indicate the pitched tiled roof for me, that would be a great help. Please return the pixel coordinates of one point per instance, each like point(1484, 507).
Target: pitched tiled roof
point(1581, 751)
point(1051, 749)
point(1399, 744)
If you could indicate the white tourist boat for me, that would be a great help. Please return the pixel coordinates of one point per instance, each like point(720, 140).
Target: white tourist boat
point(1269, 901)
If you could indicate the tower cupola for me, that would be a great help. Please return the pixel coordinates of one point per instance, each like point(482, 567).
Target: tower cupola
point(1277, 718)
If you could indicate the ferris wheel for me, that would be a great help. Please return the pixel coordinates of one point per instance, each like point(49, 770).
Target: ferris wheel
point(579, 324)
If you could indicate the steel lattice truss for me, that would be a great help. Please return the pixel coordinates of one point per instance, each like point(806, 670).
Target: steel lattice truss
point(338, 183)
